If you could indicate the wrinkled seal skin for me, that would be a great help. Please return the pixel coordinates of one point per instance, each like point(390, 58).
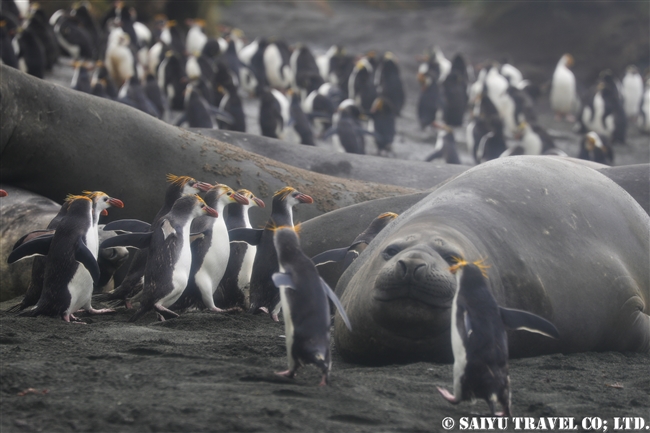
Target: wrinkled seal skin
point(563, 242)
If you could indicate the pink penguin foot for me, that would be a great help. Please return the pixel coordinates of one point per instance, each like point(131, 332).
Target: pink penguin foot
point(287, 373)
point(447, 395)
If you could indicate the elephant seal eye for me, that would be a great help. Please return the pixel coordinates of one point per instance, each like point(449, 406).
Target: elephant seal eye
point(391, 251)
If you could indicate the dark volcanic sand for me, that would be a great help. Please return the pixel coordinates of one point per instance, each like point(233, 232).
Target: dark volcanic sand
point(208, 372)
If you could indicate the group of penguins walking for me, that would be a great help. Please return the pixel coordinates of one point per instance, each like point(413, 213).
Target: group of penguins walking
point(190, 256)
point(159, 68)
point(193, 256)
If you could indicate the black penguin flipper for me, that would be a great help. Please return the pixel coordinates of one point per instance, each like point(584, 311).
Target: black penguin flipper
point(128, 225)
point(523, 320)
point(335, 255)
point(135, 240)
point(32, 235)
point(39, 246)
point(250, 236)
point(330, 294)
point(468, 324)
point(222, 115)
point(281, 279)
point(86, 258)
point(327, 134)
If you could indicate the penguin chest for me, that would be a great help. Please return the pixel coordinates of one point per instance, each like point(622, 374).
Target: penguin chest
point(80, 288)
point(532, 144)
point(458, 348)
point(246, 269)
point(288, 323)
point(180, 275)
point(216, 258)
point(562, 90)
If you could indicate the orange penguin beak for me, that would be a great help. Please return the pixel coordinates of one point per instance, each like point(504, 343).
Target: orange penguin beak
point(3, 193)
point(203, 186)
point(115, 202)
point(210, 212)
point(304, 198)
point(259, 202)
point(240, 199)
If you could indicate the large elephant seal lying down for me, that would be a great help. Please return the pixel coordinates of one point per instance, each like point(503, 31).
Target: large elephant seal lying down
point(562, 241)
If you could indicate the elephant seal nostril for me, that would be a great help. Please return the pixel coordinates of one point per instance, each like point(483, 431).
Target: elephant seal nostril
point(403, 267)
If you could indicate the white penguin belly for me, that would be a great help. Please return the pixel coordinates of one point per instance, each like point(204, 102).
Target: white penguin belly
point(562, 91)
point(460, 355)
point(81, 289)
point(180, 275)
point(214, 265)
point(244, 277)
point(288, 324)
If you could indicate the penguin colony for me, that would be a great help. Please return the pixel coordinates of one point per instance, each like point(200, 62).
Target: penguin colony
point(176, 72)
point(195, 255)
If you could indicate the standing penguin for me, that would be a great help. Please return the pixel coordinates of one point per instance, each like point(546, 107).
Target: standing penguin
point(632, 90)
point(534, 140)
point(643, 121)
point(169, 257)
point(210, 251)
point(564, 94)
point(430, 100)
point(389, 83)
point(383, 115)
point(305, 308)
point(274, 113)
point(445, 146)
point(455, 91)
point(597, 148)
point(231, 103)
point(479, 340)
point(234, 289)
point(81, 77)
point(361, 85)
point(300, 121)
point(71, 264)
point(179, 186)
point(603, 111)
point(264, 295)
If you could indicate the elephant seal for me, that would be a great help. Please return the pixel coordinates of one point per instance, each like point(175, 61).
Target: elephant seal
point(419, 175)
point(562, 240)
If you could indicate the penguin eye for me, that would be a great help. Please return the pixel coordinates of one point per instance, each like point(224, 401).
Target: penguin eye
point(391, 251)
point(229, 193)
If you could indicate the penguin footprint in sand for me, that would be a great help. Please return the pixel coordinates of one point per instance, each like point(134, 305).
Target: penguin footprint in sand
point(479, 341)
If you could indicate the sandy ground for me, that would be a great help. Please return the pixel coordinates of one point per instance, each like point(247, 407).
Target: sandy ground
point(209, 372)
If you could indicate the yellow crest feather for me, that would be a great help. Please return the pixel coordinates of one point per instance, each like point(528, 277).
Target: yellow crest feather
point(284, 192)
point(178, 180)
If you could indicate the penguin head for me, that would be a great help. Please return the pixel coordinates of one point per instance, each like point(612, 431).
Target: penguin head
point(592, 140)
point(225, 194)
point(286, 242)
point(567, 60)
point(291, 197)
point(469, 275)
point(194, 206)
point(78, 205)
point(101, 201)
point(188, 185)
point(253, 201)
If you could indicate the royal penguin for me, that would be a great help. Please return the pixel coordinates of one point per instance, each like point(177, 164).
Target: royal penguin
point(306, 75)
point(234, 289)
point(39, 24)
point(430, 101)
point(603, 110)
point(485, 138)
point(597, 148)
point(81, 77)
point(533, 140)
point(346, 255)
point(172, 79)
point(632, 91)
point(564, 94)
point(383, 114)
point(210, 251)
point(305, 307)
point(361, 85)
point(73, 38)
point(232, 104)
point(276, 65)
point(71, 264)
point(348, 129)
point(274, 113)
point(169, 257)
point(299, 120)
point(196, 39)
point(7, 52)
point(319, 106)
point(102, 77)
point(120, 59)
point(179, 186)
point(445, 147)
point(31, 53)
point(643, 121)
point(455, 92)
point(264, 296)
point(479, 340)
point(389, 83)
point(155, 95)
